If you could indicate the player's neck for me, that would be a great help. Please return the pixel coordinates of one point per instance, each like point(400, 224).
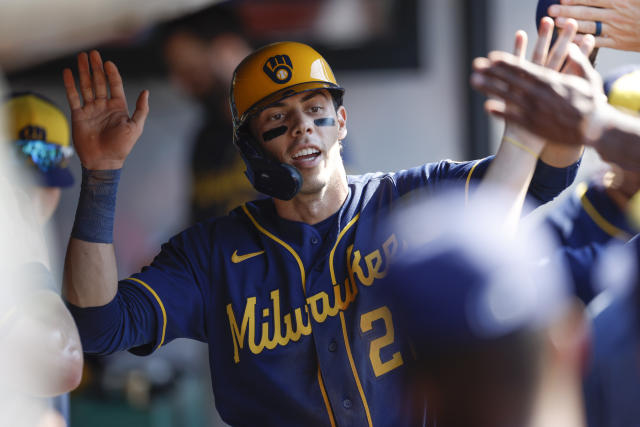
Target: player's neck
point(314, 207)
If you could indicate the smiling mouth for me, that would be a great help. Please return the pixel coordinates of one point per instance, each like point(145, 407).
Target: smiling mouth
point(306, 154)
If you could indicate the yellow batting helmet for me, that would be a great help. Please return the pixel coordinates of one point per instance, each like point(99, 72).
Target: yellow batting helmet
point(622, 87)
point(275, 72)
point(268, 75)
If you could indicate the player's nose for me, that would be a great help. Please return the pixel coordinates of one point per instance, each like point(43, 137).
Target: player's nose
point(301, 123)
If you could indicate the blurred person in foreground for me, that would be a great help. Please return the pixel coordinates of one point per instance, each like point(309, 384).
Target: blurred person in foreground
point(284, 289)
point(201, 51)
point(612, 383)
point(41, 353)
point(497, 339)
point(598, 213)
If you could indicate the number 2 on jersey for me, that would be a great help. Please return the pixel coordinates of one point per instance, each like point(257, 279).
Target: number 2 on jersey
point(366, 324)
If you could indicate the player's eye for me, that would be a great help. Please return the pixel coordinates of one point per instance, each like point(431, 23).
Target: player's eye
point(276, 116)
point(316, 109)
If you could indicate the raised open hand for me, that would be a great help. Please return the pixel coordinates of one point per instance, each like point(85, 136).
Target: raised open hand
point(103, 132)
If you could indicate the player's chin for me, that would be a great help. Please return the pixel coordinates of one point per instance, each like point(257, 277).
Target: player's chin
point(312, 185)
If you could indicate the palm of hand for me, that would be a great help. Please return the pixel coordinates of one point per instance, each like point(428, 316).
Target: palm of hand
point(103, 132)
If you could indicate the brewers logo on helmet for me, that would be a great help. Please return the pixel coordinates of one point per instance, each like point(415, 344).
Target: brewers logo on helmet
point(268, 75)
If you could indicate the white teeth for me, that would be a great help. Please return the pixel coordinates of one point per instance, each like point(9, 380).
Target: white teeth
point(305, 152)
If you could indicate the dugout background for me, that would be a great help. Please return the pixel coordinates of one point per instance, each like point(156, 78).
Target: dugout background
point(400, 115)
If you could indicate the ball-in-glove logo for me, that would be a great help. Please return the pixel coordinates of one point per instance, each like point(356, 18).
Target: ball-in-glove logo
point(279, 68)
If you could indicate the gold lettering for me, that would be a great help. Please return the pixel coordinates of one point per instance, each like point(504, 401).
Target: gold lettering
point(390, 248)
point(277, 330)
point(350, 276)
point(320, 315)
point(366, 280)
point(341, 304)
point(247, 319)
point(374, 262)
point(301, 329)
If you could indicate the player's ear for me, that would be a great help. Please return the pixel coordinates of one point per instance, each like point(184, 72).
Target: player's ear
point(341, 113)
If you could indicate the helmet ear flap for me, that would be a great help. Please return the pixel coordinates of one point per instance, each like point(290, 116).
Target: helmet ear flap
point(275, 179)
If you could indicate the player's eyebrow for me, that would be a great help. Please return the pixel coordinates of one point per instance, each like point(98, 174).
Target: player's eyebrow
point(312, 94)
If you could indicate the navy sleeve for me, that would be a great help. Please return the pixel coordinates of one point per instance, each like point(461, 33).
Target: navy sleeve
point(546, 184)
point(151, 308)
point(126, 322)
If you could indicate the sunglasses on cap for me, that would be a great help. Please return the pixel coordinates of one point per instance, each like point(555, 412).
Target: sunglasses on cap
point(44, 155)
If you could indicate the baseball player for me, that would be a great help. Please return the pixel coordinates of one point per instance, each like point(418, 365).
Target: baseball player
point(612, 383)
point(597, 213)
point(42, 356)
point(285, 290)
point(479, 314)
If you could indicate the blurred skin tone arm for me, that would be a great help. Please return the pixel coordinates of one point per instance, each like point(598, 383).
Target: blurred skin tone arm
point(40, 350)
point(619, 20)
point(516, 159)
point(42, 354)
point(569, 109)
point(103, 135)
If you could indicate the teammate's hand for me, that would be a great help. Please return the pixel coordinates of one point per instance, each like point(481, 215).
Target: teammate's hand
point(557, 59)
point(618, 21)
point(553, 105)
point(103, 132)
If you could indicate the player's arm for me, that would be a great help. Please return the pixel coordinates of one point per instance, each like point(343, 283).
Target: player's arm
point(518, 154)
point(103, 135)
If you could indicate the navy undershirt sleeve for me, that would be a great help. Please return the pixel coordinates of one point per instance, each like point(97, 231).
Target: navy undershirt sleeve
point(548, 181)
point(128, 321)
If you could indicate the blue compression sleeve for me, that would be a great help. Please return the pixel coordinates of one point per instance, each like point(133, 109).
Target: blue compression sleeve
point(97, 206)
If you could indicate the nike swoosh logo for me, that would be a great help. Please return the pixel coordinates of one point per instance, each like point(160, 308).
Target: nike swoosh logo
point(235, 258)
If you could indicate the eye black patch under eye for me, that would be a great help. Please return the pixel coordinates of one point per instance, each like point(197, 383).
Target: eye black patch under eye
point(274, 133)
point(326, 121)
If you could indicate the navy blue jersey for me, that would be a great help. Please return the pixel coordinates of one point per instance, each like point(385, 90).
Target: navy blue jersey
point(299, 332)
point(584, 224)
point(612, 384)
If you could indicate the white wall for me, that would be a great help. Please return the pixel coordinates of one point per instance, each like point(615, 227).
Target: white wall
point(398, 119)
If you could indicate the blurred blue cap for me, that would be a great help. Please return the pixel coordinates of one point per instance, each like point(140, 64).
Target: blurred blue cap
point(462, 280)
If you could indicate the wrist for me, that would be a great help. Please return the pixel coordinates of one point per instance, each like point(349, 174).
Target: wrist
point(95, 213)
point(594, 124)
point(103, 165)
point(533, 143)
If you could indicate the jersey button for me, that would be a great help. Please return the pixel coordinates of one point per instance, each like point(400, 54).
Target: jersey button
point(347, 403)
point(333, 346)
point(315, 240)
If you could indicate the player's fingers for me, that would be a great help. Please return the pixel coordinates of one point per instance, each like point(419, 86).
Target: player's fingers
point(606, 42)
point(581, 13)
point(560, 49)
point(70, 88)
point(586, 44)
point(513, 72)
point(507, 112)
point(142, 109)
point(84, 75)
point(583, 66)
point(520, 45)
point(115, 81)
point(99, 81)
point(594, 3)
point(495, 87)
point(541, 48)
